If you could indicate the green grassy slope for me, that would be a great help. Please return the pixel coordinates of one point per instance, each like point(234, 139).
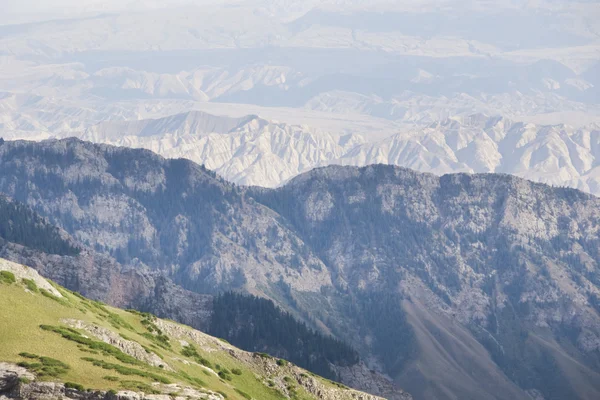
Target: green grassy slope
point(94, 346)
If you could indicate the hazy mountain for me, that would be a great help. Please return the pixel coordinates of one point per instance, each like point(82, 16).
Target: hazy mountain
point(414, 61)
point(469, 286)
point(254, 151)
point(248, 150)
point(555, 154)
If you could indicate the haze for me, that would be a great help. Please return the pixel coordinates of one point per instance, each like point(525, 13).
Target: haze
point(438, 86)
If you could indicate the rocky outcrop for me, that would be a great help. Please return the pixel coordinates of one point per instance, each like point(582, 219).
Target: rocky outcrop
point(361, 377)
point(16, 384)
point(279, 374)
point(129, 347)
point(20, 272)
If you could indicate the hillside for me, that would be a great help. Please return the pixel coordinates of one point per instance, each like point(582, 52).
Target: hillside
point(56, 344)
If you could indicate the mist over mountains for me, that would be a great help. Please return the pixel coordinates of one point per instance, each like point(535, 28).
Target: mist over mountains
point(417, 84)
point(412, 184)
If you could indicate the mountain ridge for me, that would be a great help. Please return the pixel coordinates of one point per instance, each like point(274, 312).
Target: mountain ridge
point(257, 152)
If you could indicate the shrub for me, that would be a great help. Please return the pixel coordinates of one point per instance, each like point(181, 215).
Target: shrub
point(191, 352)
point(31, 285)
point(45, 367)
point(236, 371)
point(73, 335)
point(138, 386)
point(117, 321)
point(222, 394)
point(28, 355)
point(281, 363)
point(49, 295)
point(76, 386)
point(159, 339)
point(7, 277)
point(243, 394)
point(224, 375)
point(110, 378)
point(126, 370)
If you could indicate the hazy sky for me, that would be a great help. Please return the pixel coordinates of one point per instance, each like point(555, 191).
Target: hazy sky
point(18, 11)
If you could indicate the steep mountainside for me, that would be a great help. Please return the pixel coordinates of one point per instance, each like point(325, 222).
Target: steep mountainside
point(57, 344)
point(29, 239)
point(464, 286)
point(492, 259)
point(135, 286)
point(172, 215)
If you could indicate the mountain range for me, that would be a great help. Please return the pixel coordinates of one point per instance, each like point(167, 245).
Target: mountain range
point(254, 151)
point(459, 286)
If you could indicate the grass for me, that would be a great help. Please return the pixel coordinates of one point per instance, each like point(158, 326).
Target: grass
point(126, 370)
point(59, 300)
point(282, 362)
point(76, 386)
point(191, 352)
point(138, 387)
point(32, 334)
point(243, 394)
point(105, 348)
point(44, 366)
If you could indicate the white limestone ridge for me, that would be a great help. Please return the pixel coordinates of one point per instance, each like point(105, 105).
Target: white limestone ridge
point(254, 151)
point(249, 150)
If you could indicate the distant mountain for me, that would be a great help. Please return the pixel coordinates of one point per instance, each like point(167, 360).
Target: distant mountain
point(557, 154)
point(473, 286)
point(253, 151)
point(248, 150)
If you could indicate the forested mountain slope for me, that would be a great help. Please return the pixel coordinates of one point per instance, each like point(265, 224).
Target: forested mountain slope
point(135, 285)
point(464, 286)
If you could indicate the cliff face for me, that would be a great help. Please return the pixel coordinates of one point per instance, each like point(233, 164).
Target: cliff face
point(171, 215)
point(500, 273)
point(467, 286)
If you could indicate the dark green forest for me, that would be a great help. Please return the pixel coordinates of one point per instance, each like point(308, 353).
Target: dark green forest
point(256, 324)
point(19, 224)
